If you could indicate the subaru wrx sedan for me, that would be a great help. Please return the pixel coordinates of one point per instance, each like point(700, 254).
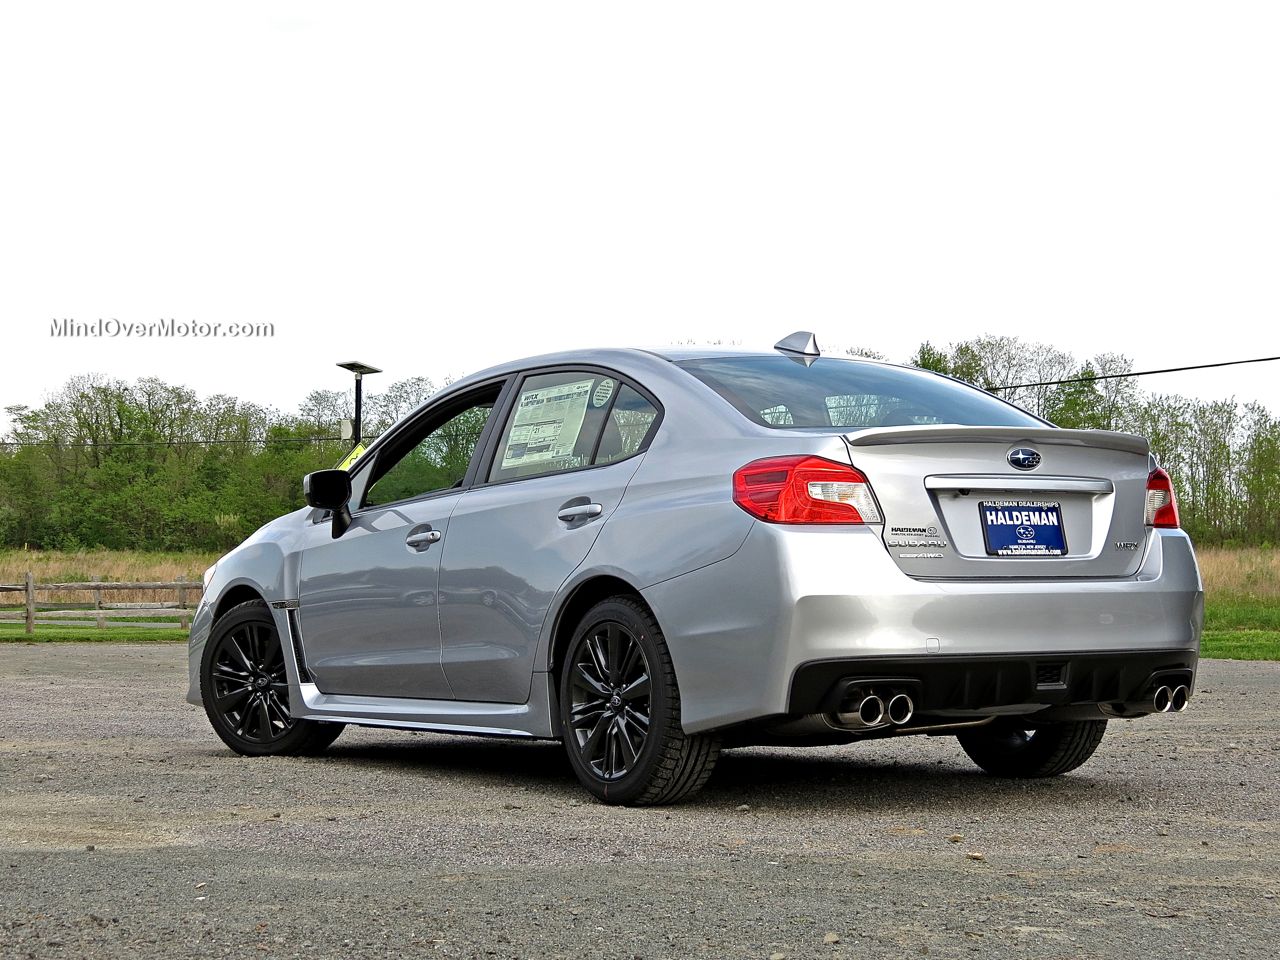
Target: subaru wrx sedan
point(651, 556)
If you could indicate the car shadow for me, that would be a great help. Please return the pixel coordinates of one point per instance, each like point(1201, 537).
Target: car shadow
point(540, 764)
point(843, 778)
point(852, 780)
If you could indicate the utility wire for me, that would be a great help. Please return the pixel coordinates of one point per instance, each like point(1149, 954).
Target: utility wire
point(161, 443)
point(1139, 373)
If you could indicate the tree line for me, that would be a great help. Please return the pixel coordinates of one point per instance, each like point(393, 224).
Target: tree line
point(148, 465)
point(1224, 456)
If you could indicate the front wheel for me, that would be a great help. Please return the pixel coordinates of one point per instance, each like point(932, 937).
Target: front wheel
point(1005, 749)
point(620, 711)
point(245, 691)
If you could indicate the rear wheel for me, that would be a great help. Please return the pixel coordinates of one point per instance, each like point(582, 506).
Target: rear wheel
point(620, 711)
point(245, 691)
point(1005, 749)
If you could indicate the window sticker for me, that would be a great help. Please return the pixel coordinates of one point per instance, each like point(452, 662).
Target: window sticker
point(547, 424)
point(604, 390)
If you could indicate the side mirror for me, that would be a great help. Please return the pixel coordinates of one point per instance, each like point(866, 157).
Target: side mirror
point(330, 490)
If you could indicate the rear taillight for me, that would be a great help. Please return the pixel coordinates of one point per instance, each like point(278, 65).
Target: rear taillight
point(1162, 507)
point(804, 489)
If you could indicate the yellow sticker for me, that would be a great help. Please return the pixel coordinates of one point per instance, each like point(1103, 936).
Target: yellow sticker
point(351, 457)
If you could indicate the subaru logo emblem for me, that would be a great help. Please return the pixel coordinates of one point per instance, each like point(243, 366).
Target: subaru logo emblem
point(1024, 458)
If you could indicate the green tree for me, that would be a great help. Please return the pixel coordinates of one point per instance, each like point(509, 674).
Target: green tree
point(929, 357)
point(1078, 405)
point(150, 465)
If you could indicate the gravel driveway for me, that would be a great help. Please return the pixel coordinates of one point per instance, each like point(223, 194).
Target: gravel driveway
point(127, 830)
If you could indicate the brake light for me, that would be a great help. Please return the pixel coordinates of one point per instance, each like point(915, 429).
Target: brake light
point(804, 489)
point(1162, 507)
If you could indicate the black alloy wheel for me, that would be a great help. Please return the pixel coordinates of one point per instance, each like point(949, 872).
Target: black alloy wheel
point(611, 708)
point(245, 687)
point(619, 710)
point(250, 690)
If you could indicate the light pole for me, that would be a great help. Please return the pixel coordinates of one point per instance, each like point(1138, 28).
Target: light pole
point(360, 370)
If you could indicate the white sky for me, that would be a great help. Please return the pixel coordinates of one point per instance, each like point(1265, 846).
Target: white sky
point(432, 188)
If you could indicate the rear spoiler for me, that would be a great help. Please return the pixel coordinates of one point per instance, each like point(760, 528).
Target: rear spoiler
point(941, 433)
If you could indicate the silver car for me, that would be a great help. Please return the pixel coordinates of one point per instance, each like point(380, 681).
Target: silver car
point(655, 555)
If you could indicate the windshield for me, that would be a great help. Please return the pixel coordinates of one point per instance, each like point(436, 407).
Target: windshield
point(781, 392)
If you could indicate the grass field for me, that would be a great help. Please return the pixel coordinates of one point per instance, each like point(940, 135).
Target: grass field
point(1242, 603)
point(50, 566)
point(13, 633)
point(1242, 587)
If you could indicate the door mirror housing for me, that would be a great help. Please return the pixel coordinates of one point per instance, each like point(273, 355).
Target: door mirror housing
point(330, 490)
point(327, 489)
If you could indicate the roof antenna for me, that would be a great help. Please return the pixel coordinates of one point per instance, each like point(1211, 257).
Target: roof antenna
point(801, 346)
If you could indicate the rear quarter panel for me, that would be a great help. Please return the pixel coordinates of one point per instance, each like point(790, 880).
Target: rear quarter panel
point(678, 514)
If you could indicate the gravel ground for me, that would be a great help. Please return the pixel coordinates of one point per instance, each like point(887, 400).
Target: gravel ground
point(127, 830)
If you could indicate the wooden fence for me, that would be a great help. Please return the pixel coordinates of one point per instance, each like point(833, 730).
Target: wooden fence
point(161, 614)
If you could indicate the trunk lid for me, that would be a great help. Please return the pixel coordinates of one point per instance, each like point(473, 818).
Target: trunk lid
point(956, 507)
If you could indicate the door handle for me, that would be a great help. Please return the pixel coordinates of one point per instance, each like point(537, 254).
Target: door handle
point(421, 539)
point(580, 511)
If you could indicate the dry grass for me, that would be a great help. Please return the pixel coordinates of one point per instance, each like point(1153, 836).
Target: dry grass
point(1252, 572)
point(50, 566)
point(1240, 574)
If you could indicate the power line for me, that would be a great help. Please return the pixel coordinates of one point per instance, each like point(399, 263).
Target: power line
point(1139, 373)
point(161, 443)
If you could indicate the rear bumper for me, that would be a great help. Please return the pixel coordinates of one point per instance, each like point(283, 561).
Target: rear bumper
point(746, 633)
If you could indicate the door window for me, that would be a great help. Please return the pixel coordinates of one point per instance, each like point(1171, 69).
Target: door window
point(554, 425)
point(568, 420)
point(437, 460)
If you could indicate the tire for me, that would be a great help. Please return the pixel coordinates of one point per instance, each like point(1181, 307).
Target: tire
point(1007, 750)
point(617, 671)
point(245, 691)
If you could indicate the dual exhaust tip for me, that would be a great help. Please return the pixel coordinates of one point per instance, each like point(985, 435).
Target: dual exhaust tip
point(872, 710)
point(1171, 699)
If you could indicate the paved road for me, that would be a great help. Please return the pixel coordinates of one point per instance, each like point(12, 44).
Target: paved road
point(126, 830)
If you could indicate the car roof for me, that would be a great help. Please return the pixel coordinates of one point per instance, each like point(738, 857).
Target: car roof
point(677, 354)
point(605, 356)
point(627, 359)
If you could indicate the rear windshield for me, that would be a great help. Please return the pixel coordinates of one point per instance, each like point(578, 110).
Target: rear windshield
point(781, 392)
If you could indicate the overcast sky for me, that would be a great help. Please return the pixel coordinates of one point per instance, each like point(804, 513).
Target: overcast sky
point(432, 188)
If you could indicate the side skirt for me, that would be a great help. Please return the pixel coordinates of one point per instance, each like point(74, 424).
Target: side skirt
point(532, 719)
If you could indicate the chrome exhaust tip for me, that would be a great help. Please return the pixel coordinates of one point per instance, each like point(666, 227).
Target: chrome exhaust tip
point(900, 709)
point(868, 713)
point(871, 711)
point(1178, 699)
point(1162, 700)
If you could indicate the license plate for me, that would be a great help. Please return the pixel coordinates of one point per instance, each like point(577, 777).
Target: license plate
point(1023, 528)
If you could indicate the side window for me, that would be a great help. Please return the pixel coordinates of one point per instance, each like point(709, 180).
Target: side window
point(554, 425)
point(438, 461)
point(627, 426)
